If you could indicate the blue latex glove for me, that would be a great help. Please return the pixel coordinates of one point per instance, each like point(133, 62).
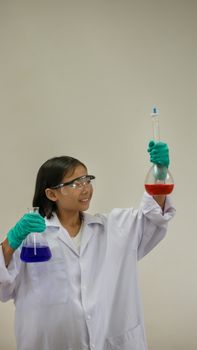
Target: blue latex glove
point(30, 222)
point(159, 153)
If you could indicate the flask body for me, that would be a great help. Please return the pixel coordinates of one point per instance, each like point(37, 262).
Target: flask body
point(159, 181)
point(35, 247)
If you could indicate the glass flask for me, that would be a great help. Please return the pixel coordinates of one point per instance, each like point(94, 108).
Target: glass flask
point(35, 247)
point(159, 180)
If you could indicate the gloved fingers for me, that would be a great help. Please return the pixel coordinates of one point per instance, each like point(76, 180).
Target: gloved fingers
point(32, 222)
point(151, 145)
point(32, 218)
point(157, 145)
point(37, 227)
point(159, 153)
point(160, 146)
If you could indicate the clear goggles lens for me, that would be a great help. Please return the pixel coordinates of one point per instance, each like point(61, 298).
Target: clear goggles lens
point(77, 184)
point(81, 182)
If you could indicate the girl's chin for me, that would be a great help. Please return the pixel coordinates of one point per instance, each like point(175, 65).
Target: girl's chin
point(85, 204)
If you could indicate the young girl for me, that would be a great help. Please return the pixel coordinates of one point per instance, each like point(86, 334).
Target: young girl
point(86, 296)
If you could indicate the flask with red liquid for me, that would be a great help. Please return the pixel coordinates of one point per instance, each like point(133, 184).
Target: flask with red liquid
point(159, 180)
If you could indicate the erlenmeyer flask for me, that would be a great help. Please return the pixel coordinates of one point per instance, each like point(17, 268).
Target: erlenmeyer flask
point(159, 180)
point(35, 247)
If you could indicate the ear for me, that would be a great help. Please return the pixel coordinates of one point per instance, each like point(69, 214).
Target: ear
point(51, 194)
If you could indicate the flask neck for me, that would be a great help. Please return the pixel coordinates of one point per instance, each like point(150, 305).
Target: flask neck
point(156, 131)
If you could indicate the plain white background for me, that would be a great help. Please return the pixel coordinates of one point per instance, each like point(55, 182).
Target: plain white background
point(80, 78)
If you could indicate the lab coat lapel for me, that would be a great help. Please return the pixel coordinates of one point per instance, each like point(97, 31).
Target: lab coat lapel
point(87, 234)
point(88, 230)
point(62, 233)
point(64, 236)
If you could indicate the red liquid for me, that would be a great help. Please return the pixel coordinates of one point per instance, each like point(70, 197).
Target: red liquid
point(159, 189)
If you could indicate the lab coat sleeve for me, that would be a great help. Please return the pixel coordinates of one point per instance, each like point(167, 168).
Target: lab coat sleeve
point(8, 277)
point(154, 223)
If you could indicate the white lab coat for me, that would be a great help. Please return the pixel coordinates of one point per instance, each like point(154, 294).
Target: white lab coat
point(88, 300)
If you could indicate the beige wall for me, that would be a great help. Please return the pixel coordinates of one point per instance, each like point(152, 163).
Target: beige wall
point(80, 78)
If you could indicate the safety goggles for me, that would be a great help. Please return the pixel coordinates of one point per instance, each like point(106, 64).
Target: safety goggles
point(76, 184)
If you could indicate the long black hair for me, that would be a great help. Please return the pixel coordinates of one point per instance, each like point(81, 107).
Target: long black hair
point(50, 174)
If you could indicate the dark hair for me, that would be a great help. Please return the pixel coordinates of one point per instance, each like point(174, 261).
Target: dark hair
point(51, 174)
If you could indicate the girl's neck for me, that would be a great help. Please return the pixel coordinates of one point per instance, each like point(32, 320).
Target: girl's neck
point(71, 222)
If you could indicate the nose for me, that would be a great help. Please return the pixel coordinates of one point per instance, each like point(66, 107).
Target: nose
point(84, 185)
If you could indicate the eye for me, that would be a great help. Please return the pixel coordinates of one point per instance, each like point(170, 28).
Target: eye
point(75, 184)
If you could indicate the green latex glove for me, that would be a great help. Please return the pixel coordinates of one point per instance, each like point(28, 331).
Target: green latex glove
point(30, 222)
point(159, 153)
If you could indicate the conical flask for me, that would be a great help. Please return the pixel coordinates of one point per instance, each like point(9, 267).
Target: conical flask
point(159, 180)
point(35, 247)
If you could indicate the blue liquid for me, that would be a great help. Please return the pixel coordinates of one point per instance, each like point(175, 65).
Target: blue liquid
point(37, 254)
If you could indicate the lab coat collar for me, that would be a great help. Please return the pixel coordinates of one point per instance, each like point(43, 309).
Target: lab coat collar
point(92, 219)
point(53, 221)
point(87, 219)
point(64, 236)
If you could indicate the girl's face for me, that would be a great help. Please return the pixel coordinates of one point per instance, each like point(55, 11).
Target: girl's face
point(72, 198)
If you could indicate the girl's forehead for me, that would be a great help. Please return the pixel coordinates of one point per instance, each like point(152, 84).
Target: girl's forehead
point(77, 172)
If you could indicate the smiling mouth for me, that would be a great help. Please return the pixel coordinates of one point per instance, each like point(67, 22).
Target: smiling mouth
point(84, 200)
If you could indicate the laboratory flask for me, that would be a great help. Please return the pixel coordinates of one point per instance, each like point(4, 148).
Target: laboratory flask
point(35, 247)
point(159, 180)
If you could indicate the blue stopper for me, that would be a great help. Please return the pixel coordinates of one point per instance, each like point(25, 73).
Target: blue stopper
point(154, 110)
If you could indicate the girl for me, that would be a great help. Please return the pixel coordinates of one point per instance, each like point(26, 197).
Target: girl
point(86, 296)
